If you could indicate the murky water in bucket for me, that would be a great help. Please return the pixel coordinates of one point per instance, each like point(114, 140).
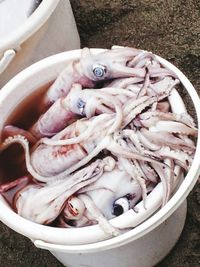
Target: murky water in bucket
point(13, 13)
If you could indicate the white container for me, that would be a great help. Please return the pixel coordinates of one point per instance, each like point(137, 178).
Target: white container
point(49, 30)
point(142, 246)
point(145, 251)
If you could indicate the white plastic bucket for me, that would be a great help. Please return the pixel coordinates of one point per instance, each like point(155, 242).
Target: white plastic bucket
point(50, 29)
point(145, 251)
point(144, 245)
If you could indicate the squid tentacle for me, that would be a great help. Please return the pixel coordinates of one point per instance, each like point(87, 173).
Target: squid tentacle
point(97, 215)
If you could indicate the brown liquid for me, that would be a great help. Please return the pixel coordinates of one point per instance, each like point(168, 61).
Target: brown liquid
point(12, 164)
point(28, 111)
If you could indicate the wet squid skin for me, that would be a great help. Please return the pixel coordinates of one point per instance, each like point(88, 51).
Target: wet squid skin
point(131, 121)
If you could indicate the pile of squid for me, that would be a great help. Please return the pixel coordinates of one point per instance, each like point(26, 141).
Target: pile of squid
point(109, 133)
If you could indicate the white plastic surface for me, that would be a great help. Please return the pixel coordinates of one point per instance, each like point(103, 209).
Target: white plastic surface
point(27, 29)
point(143, 252)
point(49, 30)
point(13, 13)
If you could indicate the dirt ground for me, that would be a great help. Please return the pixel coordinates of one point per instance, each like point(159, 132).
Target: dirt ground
point(168, 28)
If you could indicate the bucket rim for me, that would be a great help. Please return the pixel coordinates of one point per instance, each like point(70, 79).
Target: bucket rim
point(44, 233)
point(30, 26)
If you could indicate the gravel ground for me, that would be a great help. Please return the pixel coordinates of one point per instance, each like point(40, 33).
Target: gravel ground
point(168, 28)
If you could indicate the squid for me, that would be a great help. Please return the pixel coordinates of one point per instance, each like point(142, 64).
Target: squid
point(90, 69)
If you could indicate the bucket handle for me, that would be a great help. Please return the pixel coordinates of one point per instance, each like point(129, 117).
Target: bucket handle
point(55, 247)
point(6, 59)
point(45, 245)
point(63, 248)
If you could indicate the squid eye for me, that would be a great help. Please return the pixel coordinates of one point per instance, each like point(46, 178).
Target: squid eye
point(120, 206)
point(81, 105)
point(74, 209)
point(99, 70)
